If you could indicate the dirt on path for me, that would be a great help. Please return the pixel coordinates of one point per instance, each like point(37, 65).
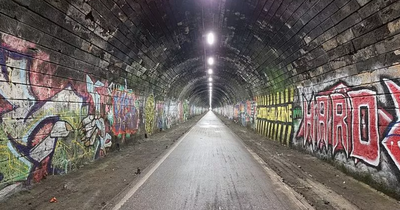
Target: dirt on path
point(322, 185)
point(96, 185)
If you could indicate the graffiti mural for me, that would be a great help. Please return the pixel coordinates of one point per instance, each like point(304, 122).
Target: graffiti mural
point(39, 111)
point(195, 110)
point(243, 112)
point(173, 113)
point(226, 111)
point(391, 142)
point(125, 115)
point(248, 113)
point(160, 115)
point(95, 127)
point(274, 115)
point(353, 122)
point(150, 114)
point(185, 110)
point(53, 119)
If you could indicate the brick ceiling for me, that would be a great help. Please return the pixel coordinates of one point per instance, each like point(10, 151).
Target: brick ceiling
point(259, 42)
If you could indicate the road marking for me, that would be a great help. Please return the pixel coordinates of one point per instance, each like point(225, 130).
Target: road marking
point(133, 190)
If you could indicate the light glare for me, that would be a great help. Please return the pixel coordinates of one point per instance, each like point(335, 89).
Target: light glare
point(210, 60)
point(210, 38)
point(210, 79)
point(210, 71)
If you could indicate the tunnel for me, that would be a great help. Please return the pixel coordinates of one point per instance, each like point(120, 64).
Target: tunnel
point(81, 79)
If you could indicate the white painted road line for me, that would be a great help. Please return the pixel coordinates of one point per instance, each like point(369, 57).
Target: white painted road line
point(132, 191)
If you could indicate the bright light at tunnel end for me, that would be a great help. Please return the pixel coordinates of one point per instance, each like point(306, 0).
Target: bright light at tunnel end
point(210, 61)
point(210, 38)
point(210, 99)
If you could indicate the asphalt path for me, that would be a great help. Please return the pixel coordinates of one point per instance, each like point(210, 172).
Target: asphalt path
point(210, 168)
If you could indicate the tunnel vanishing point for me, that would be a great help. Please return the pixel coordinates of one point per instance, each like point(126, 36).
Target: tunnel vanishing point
point(79, 78)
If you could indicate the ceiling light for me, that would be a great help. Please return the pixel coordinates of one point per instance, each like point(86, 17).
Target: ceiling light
point(210, 84)
point(210, 60)
point(210, 79)
point(210, 38)
point(210, 71)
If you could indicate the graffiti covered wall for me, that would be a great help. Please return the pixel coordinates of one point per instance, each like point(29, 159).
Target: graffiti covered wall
point(53, 120)
point(150, 114)
point(270, 115)
point(354, 125)
point(49, 124)
point(125, 115)
point(243, 112)
point(274, 115)
point(226, 111)
point(344, 74)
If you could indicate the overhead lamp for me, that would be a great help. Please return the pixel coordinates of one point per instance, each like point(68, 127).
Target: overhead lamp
point(210, 84)
point(210, 79)
point(210, 38)
point(210, 71)
point(210, 60)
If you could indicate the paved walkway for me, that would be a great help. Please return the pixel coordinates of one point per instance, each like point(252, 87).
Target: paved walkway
point(209, 168)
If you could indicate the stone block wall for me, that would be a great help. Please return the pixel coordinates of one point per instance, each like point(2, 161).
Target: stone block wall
point(71, 90)
point(342, 60)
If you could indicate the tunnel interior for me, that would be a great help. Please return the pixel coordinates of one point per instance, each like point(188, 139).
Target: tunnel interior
point(320, 76)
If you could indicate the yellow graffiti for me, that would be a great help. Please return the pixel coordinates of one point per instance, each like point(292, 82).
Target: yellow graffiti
point(274, 115)
point(278, 114)
point(149, 114)
point(15, 169)
point(66, 154)
point(62, 146)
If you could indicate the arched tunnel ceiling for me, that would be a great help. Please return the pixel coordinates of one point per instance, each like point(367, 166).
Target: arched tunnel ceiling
point(257, 43)
point(180, 26)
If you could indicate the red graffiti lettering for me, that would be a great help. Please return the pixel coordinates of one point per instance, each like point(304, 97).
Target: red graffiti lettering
point(323, 125)
point(351, 121)
point(340, 138)
point(392, 141)
point(365, 126)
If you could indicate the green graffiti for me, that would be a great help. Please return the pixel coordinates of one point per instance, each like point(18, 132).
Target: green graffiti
point(297, 113)
point(12, 169)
